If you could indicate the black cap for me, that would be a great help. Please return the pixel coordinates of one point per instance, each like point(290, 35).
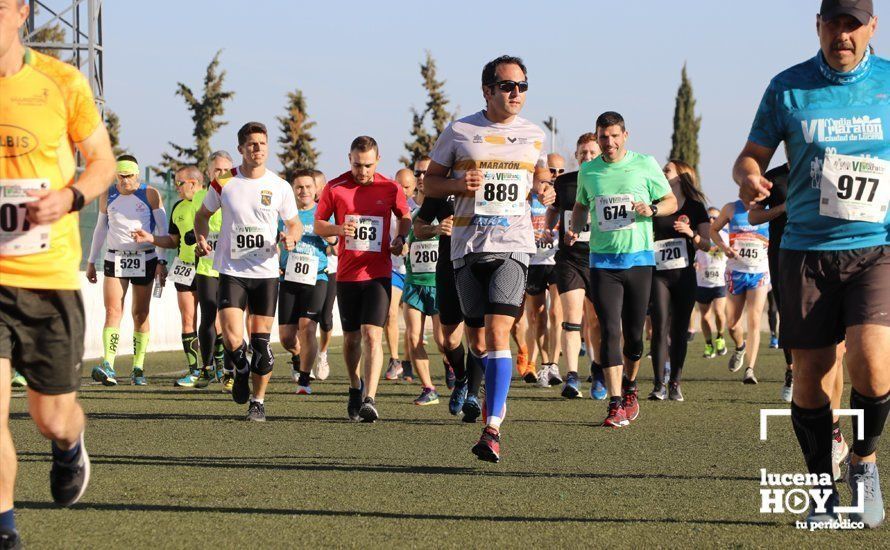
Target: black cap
point(862, 10)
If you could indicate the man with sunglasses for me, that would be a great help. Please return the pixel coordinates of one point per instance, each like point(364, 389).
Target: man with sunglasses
point(832, 113)
point(490, 161)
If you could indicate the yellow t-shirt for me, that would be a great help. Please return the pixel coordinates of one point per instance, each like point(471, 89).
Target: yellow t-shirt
point(44, 109)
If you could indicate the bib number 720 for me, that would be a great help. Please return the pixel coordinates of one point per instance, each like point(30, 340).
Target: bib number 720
point(847, 186)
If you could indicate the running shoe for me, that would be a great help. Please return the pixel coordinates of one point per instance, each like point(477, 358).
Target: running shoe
point(737, 360)
point(531, 373)
point(256, 412)
point(572, 387)
point(428, 396)
point(394, 370)
point(471, 409)
point(709, 352)
point(303, 390)
point(674, 393)
point(69, 480)
point(18, 381)
point(788, 386)
point(598, 387)
point(294, 374)
point(488, 448)
point(814, 517)
point(368, 411)
point(617, 417)
point(137, 378)
point(241, 387)
point(543, 378)
point(658, 393)
point(218, 374)
point(105, 374)
point(839, 453)
point(322, 368)
point(720, 346)
point(774, 342)
point(630, 404)
point(553, 375)
point(354, 404)
point(749, 377)
point(449, 376)
point(407, 373)
point(204, 378)
point(583, 350)
point(865, 486)
point(458, 397)
point(10, 540)
point(188, 381)
point(228, 382)
point(522, 364)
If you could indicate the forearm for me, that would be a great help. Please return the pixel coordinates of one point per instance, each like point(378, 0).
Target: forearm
point(551, 218)
point(423, 230)
point(99, 234)
point(166, 241)
point(295, 230)
point(202, 225)
point(404, 227)
point(326, 229)
point(757, 217)
point(95, 179)
point(441, 187)
point(579, 217)
point(666, 206)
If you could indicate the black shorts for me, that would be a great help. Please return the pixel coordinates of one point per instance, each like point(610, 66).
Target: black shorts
point(825, 292)
point(540, 277)
point(326, 322)
point(187, 288)
point(571, 276)
point(150, 267)
point(491, 283)
point(41, 333)
point(706, 295)
point(296, 301)
point(261, 295)
point(363, 302)
point(447, 301)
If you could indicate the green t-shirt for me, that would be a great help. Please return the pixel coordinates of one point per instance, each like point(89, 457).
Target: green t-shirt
point(619, 238)
point(182, 220)
point(205, 263)
point(423, 254)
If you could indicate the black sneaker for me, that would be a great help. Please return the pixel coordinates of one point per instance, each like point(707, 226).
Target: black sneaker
point(68, 481)
point(368, 412)
point(658, 393)
point(256, 412)
point(354, 404)
point(205, 377)
point(674, 393)
point(10, 540)
point(241, 387)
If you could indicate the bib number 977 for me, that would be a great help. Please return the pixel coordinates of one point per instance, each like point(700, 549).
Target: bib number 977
point(849, 187)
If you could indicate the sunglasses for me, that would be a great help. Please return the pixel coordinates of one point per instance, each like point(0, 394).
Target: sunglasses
point(557, 171)
point(712, 217)
point(418, 173)
point(183, 182)
point(507, 86)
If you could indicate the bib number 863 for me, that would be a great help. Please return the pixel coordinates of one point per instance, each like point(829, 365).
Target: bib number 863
point(366, 233)
point(501, 192)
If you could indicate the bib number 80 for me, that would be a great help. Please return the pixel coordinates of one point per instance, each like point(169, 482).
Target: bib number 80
point(501, 192)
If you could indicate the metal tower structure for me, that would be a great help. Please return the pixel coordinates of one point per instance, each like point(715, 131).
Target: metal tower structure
point(80, 39)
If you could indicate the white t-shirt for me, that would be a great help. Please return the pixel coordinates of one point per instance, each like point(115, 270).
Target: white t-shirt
point(251, 208)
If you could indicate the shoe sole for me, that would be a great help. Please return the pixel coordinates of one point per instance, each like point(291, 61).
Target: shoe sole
point(555, 381)
point(86, 476)
point(299, 392)
point(104, 379)
point(677, 399)
point(530, 378)
point(655, 397)
point(570, 393)
point(249, 419)
point(425, 403)
point(471, 412)
point(482, 452)
point(368, 416)
point(749, 381)
point(608, 424)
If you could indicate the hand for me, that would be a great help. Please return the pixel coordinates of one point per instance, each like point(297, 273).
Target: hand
point(754, 189)
point(202, 247)
point(549, 235)
point(445, 226)
point(397, 247)
point(50, 206)
point(288, 241)
point(142, 236)
point(91, 273)
point(730, 253)
point(347, 229)
point(473, 180)
point(548, 195)
point(684, 229)
point(570, 237)
point(642, 209)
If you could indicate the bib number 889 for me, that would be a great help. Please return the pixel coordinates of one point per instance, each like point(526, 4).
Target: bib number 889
point(501, 192)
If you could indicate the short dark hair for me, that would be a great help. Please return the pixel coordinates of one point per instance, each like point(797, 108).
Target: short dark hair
point(489, 71)
point(251, 128)
point(128, 157)
point(363, 144)
point(423, 158)
point(610, 118)
point(304, 173)
point(586, 137)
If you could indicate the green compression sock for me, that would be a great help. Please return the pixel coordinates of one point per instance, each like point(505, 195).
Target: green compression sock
point(110, 338)
point(190, 347)
point(140, 344)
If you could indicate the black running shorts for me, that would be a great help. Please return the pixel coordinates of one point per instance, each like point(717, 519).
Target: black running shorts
point(571, 276)
point(540, 277)
point(239, 292)
point(296, 301)
point(150, 267)
point(363, 302)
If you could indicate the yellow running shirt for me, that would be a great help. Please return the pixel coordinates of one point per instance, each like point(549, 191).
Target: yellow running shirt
point(44, 109)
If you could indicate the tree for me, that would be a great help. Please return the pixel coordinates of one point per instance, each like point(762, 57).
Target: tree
point(48, 35)
point(684, 141)
point(436, 108)
point(205, 114)
point(113, 123)
point(297, 151)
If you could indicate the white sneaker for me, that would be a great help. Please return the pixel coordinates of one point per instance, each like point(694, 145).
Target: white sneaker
point(543, 377)
point(749, 376)
point(322, 369)
point(737, 360)
point(839, 453)
point(294, 374)
point(554, 378)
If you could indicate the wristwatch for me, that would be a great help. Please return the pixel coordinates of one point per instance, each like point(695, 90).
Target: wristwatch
point(78, 202)
point(654, 210)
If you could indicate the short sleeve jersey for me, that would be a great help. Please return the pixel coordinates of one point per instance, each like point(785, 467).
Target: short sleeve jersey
point(817, 111)
point(182, 220)
point(505, 153)
point(414, 255)
point(692, 212)
point(44, 108)
point(436, 210)
point(638, 176)
point(545, 248)
point(375, 202)
point(310, 243)
point(566, 187)
point(251, 208)
point(205, 263)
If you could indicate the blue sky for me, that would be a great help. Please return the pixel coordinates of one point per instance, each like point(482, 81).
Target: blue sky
point(357, 64)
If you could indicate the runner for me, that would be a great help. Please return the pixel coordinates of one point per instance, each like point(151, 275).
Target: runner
point(252, 200)
point(747, 281)
point(361, 202)
point(834, 262)
point(495, 160)
point(677, 237)
point(398, 368)
point(710, 293)
point(326, 323)
point(625, 190)
point(303, 286)
point(573, 280)
point(41, 309)
point(127, 207)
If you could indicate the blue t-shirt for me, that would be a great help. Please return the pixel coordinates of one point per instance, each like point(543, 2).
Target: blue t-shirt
point(816, 110)
point(309, 244)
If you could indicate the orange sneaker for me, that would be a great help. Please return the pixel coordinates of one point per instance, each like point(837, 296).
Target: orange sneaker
point(531, 374)
point(522, 362)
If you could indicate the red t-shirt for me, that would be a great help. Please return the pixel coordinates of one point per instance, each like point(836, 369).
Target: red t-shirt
point(366, 256)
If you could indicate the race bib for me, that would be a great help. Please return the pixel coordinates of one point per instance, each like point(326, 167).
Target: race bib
point(751, 253)
point(212, 239)
point(546, 249)
point(181, 272)
point(503, 193)
point(129, 263)
point(301, 268)
point(855, 188)
point(368, 233)
point(615, 212)
point(584, 235)
point(18, 237)
point(250, 241)
point(671, 254)
point(424, 256)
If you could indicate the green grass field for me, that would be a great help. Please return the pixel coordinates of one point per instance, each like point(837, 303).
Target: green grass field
point(182, 469)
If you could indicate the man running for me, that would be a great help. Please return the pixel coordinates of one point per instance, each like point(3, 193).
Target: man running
point(398, 368)
point(252, 200)
point(834, 266)
point(362, 202)
point(490, 161)
point(710, 293)
point(326, 321)
point(41, 309)
point(621, 191)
